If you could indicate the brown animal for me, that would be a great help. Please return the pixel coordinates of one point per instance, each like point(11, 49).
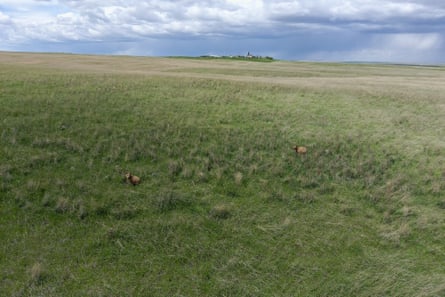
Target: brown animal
point(301, 150)
point(133, 179)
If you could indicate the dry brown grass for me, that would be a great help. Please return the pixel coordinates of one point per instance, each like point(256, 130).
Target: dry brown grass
point(37, 273)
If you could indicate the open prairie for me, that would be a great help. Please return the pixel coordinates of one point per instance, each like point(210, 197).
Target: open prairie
point(224, 207)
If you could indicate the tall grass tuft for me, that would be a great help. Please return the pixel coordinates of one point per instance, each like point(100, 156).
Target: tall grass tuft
point(221, 212)
point(38, 273)
point(168, 200)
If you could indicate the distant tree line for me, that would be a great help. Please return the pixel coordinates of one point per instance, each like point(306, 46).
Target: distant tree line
point(249, 56)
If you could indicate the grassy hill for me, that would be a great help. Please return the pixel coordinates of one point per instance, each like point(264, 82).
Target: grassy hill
point(225, 207)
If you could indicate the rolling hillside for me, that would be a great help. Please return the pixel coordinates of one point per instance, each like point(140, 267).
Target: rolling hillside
point(225, 207)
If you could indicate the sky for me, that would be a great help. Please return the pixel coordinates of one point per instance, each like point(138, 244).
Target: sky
point(392, 31)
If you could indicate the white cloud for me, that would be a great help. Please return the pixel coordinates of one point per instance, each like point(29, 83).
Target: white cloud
point(397, 48)
point(4, 19)
point(6, 31)
point(414, 42)
point(218, 17)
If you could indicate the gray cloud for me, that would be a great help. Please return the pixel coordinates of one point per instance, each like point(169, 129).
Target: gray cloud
point(307, 29)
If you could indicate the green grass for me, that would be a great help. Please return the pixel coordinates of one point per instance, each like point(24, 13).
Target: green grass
point(225, 207)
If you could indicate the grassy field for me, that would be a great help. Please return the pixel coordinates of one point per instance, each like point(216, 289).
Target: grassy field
point(225, 207)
